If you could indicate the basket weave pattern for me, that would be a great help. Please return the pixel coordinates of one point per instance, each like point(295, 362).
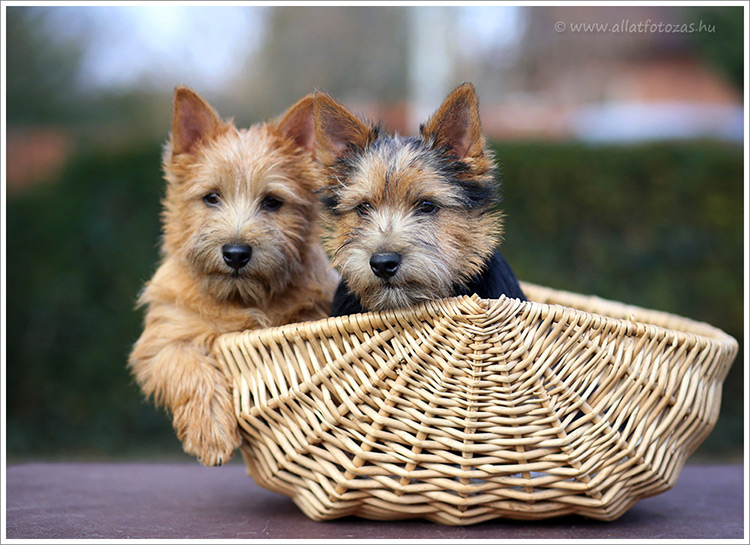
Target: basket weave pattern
point(463, 410)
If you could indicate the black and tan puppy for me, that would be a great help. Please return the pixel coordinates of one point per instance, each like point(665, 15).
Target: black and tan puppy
point(411, 218)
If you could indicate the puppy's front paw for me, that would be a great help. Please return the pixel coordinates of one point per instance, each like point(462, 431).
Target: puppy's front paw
point(208, 428)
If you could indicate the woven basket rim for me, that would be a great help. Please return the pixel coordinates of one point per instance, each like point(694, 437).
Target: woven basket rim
point(691, 332)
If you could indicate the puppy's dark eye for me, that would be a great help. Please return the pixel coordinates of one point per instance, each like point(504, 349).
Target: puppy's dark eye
point(426, 207)
point(212, 199)
point(364, 208)
point(271, 203)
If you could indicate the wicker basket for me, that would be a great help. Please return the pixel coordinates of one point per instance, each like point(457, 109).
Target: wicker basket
point(462, 410)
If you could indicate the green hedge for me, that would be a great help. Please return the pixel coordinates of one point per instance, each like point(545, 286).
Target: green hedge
point(657, 225)
point(79, 249)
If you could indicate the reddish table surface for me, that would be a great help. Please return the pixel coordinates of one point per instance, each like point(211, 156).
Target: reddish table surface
point(184, 500)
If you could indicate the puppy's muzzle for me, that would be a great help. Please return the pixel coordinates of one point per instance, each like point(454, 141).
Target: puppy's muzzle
point(385, 265)
point(236, 255)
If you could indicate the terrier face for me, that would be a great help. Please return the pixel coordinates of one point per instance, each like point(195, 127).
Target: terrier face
point(409, 219)
point(239, 210)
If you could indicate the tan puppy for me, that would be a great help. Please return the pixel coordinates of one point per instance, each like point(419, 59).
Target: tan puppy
point(240, 251)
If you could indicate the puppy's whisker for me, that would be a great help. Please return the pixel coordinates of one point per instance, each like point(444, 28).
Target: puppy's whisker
point(351, 238)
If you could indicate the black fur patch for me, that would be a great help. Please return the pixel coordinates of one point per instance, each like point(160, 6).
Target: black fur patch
point(330, 201)
point(477, 195)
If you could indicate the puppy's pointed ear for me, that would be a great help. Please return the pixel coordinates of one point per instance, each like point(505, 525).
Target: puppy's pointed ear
point(193, 121)
point(456, 124)
point(337, 130)
point(298, 123)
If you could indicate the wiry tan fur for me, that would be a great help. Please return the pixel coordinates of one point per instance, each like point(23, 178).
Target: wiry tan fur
point(391, 176)
point(194, 295)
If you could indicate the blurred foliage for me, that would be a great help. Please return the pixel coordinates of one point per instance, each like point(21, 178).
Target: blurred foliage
point(43, 70)
point(658, 225)
point(79, 248)
point(723, 48)
point(45, 86)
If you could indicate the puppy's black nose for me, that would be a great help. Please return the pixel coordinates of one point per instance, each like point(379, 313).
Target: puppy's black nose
point(385, 265)
point(236, 255)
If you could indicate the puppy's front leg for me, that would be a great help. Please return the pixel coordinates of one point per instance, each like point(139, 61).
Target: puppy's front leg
point(184, 378)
